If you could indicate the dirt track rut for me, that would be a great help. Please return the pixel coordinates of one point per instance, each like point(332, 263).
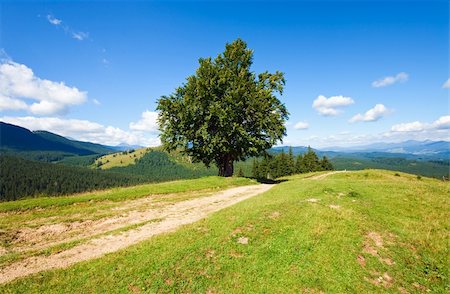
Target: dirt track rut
point(163, 220)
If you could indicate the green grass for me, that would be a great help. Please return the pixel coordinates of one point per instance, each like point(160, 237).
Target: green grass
point(294, 245)
point(32, 213)
point(127, 193)
point(120, 158)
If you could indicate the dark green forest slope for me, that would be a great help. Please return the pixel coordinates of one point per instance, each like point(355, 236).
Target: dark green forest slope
point(25, 178)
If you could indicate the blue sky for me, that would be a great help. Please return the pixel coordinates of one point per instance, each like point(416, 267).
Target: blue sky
point(94, 70)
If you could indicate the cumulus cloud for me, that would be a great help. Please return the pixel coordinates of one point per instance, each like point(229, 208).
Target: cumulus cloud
point(7, 103)
point(147, 123)
point(446, 85)
point(83, 130)
point(301, 125)
point(390, 80)
point(96, 102)
point(18, 82)
point(415, 126)
point(373, 114)
point(441, 124)
point(328, 106)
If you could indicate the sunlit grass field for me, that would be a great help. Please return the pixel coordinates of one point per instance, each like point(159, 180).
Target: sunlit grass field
point(119, 159)
point(357, 232)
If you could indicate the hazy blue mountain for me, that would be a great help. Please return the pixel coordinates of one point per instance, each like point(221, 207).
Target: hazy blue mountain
point(125, 147)
point(95, 148)
point(17, 139)
point(409, 147)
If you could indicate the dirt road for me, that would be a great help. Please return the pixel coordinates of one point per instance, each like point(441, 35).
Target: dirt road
point(157, 221)
point(321, 176)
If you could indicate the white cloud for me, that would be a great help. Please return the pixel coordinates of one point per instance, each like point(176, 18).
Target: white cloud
point(441, 124)
point(83, 130)
point(7, 103)
point(96, 102)
point(53, 20)
point(80, 36)
point(415, 126)
point(390, 80)
point(373, 114)
point(328, 106)
point(301, 125)
point(420, 131)
point(75, 34)
point(147, 123)
point(446, 85)
point(18, 82)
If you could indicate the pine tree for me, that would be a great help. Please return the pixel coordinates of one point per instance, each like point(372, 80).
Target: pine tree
point(326, 164)
point(311, 160)
point(255, 169)
point(300, 165)
point(291, 162)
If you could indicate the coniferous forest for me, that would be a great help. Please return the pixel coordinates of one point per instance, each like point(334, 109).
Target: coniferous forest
point(282, 164)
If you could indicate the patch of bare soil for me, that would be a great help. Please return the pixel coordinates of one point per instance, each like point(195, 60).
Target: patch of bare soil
point(169, 218)
point(384, 280)
point(374, 245)
point(128, 213)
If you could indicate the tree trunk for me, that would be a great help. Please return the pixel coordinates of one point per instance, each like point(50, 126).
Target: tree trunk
point(226, 166)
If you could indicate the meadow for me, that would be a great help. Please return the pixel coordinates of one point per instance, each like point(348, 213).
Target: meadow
point(355, 232)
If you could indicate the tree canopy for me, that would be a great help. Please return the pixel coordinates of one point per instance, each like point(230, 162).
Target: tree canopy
point(224, 112)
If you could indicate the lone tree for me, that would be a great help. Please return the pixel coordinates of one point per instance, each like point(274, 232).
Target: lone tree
point(224, 112)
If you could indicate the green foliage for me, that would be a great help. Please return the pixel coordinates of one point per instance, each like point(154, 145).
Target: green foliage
point(158, 166)
point(429, 168)
point(22, 178)
point(225, 112)
point(282, 164)
point(84, 161)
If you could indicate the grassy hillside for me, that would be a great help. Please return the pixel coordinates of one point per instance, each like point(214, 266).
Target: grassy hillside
point(120, 159)
point(359, 232)
point(435, 168)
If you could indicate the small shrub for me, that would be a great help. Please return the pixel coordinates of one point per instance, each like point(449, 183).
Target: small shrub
point(353, 194)
point(419, 177)
point(397, 174)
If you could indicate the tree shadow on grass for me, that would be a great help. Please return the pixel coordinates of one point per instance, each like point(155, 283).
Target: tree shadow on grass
point(270, 181)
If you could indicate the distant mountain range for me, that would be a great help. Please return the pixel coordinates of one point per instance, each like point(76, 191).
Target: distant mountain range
point(17, 139)
point(125, 147)
point(423, 158)
point(409, 147)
